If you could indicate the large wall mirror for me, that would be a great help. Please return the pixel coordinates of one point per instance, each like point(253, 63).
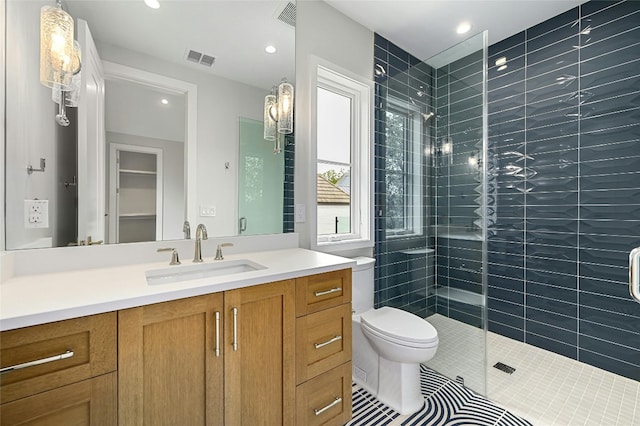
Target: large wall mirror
point(166, 127)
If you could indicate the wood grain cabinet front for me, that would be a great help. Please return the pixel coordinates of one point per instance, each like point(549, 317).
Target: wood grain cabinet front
point(218, 359)
point(44, 357)
point(323, 341)
point(318, 292)
point(326, 399)
point(89, 402)
point(323, 348)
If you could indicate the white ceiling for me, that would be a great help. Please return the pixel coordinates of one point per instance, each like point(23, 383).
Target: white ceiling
point(426, 27)
point(236, 31)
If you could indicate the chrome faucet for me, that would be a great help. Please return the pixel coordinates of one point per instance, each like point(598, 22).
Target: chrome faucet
point(219, 250)
point(186, 228)
point(201, 234)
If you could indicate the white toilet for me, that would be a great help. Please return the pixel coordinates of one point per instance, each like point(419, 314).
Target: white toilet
point(388, 346)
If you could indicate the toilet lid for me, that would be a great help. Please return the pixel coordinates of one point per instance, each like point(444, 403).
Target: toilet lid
point(399, 325)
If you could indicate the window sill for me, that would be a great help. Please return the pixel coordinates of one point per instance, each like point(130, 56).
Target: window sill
point(337, 246)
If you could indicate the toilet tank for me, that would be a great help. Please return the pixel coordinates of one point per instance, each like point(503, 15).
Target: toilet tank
point(362, 284)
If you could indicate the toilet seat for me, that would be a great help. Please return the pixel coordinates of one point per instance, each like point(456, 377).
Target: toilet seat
point(401, 327)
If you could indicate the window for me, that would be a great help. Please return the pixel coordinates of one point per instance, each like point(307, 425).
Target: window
point(343, 160)
point(403, 169)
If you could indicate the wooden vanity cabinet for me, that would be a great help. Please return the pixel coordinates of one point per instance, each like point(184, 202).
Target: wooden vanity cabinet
point(323, 349)
point(168, 370)
point(61, 373)
point(218, 359)
point(241, 357)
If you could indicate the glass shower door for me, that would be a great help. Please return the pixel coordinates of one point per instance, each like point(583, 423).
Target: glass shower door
point(461, 189)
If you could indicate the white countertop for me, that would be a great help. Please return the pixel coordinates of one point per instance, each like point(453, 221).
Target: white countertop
point(37, 299)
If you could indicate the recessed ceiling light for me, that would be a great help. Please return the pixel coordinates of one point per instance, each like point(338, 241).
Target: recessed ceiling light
point(164, 101)
point(153, 4)
point(501, 61)
point(270, 49)
point(463, 28)
point(502, 67)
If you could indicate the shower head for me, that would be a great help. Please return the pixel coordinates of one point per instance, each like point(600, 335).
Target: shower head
point(427, 116)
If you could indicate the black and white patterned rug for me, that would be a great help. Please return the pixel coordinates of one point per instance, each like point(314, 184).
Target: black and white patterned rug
point(446, 403)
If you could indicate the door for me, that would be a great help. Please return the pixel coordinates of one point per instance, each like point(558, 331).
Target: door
point(170, 366)
point(91, 141)
point(260, 182)
point(259, 351)
point(135, 193)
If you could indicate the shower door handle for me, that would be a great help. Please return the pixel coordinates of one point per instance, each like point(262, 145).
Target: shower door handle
point(634, 274)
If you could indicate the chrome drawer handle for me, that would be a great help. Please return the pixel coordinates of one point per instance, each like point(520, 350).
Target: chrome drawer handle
point(235, 329)
point(217, 348)
point(634, 274)
point(332, 290)
point(67, 354)
point(328, 342)
point(336, 401)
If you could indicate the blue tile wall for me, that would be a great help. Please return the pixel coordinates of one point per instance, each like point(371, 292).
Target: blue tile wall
point(404, 270)
point(564, 136)
point(288, 219)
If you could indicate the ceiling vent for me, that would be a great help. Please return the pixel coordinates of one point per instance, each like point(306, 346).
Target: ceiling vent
point(199, 58)
point(287, 13)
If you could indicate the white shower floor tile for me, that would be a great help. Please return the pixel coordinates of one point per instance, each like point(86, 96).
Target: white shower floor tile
point(546, 388)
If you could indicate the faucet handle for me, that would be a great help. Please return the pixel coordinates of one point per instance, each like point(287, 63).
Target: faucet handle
point(219, 250)
point(175, 260)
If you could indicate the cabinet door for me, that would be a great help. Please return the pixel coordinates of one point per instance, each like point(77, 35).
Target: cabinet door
point(90, 402)
point(259, 355)
point(168, 370)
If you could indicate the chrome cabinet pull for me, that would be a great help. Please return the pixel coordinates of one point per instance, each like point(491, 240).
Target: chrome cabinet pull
point(331, 290)
point(235, 329)
point(634, 274)
point(328, 342)
point(217, 347)
point(67, 354)
point(336, 401)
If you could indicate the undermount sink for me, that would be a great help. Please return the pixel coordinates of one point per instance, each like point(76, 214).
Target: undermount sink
point(199, 271)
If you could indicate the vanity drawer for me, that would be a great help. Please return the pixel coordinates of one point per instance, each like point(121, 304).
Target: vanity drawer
point(323, 341)
point(326, 399)
point(89, 402)
point(321, 291)
point(55, 354)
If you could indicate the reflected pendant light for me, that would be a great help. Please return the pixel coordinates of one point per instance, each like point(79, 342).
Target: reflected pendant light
point(58, 57)
point(285, 107)
point(270, 116)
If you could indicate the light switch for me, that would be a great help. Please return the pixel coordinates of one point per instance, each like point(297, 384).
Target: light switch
point(207, 211)
point(300, 213)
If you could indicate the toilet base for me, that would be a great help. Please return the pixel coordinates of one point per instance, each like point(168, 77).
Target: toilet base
point(400, 386)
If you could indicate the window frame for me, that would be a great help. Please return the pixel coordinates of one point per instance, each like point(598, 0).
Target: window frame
point(413, 196)
point(360, 90)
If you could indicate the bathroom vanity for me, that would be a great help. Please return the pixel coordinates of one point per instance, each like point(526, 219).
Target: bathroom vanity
point(267, 346)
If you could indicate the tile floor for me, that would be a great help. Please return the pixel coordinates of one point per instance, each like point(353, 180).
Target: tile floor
point(547, 389)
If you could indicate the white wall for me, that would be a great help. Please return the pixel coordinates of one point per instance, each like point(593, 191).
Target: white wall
point(220, 103)
point(136, 110)
point(30, 114)
point(324, 32)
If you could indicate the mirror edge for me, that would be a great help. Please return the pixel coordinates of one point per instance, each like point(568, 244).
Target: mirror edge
point(2, 126)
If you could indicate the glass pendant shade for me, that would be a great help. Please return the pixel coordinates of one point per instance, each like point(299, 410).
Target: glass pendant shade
point(285, 107)
point(270, 121)
point(58, 56)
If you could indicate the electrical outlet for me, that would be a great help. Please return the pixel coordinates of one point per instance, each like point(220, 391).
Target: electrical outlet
point(207, 211)
point(36, 213)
